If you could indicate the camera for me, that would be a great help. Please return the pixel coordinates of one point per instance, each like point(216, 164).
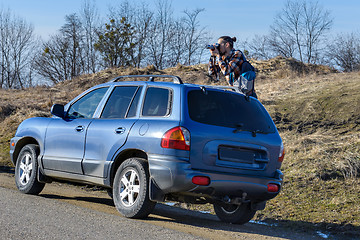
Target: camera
point(213, 46)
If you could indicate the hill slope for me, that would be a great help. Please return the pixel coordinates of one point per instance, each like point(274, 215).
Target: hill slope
point(316, 110)
point(318, 117)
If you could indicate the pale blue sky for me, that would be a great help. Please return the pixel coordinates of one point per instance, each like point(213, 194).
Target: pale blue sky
point(240, 18)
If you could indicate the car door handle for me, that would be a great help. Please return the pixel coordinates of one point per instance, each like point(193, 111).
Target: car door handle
point(79, 128)
point(120, 130)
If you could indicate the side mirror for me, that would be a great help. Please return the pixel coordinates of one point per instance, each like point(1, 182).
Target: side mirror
point(58, 110)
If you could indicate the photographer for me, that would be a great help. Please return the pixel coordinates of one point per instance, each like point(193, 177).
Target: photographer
point(232, 63)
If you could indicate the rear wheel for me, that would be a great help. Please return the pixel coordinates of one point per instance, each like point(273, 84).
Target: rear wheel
point(26, 170)
point(239, 214)
point(131, 189)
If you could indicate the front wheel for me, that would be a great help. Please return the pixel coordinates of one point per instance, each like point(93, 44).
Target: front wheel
point(238, 214)
point(26, 170)
point(131, 189)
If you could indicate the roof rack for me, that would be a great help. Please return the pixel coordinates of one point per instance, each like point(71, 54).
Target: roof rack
point(176, 79)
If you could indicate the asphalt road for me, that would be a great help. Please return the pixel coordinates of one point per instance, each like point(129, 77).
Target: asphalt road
point(65, 211)
point(35, 217)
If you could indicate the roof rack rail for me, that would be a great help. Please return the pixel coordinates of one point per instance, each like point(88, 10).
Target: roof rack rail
point(229, 88)
point(176, 79)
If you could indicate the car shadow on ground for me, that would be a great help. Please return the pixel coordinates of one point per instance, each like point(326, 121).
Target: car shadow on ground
point(283, 229)
point(280, 229)
point(209, 221)
point(7, 169)
point(97, 200)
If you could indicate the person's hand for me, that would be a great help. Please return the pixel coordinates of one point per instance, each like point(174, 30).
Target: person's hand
point(214, 52)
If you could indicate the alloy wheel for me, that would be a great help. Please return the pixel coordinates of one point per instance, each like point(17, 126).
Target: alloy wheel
point(26, 168)
point(129, 187)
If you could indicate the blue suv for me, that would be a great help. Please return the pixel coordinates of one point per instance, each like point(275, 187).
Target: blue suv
point(154, 141)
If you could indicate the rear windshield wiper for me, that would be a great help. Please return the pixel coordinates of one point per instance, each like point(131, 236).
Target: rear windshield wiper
point(257, 131)
point(238, 128)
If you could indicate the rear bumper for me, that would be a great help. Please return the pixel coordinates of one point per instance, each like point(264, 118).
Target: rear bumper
point(174, 175)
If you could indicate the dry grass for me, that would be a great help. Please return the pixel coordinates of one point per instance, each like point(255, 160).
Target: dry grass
point(316, 110)
point(319, 120)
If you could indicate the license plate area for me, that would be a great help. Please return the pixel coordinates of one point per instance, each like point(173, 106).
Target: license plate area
point(244, 158)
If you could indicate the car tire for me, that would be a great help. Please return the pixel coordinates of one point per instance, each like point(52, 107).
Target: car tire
point(131, 189)
point(237, 214)
point(26, 170)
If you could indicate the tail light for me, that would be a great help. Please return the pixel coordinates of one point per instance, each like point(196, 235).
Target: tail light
point(176, 138)
point(201, 180)
point(282, 153)
point(272, 187)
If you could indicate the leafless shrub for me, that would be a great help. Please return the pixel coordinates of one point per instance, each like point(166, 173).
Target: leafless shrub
point(349, 166)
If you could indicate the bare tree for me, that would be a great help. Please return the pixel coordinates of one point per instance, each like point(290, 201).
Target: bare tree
point(195, 36)
point(161, 34)
point(298, 30)
point(282, 44)
point(285, 35)
point(90, 22)
point(259, 47)
point(316, 22)
point(52, 62)
point(72, 31)
point(61, 57)
point(176, 45)
point(143, 20)
point(343, 52)
point(17, 41)
point(6, 72)
point(174, 41)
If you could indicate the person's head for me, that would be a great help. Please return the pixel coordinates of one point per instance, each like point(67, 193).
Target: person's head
point(226, 44)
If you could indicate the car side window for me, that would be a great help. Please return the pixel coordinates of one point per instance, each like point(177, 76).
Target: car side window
point(119, 101)
point(157, 102)
point(86, 105)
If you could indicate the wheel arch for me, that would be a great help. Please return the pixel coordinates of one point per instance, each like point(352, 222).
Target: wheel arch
point(20, 144)
point(121, 157)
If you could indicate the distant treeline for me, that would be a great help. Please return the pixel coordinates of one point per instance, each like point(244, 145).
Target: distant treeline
point(134, 34)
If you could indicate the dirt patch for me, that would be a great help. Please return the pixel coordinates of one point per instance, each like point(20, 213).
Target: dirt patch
point(6, 110)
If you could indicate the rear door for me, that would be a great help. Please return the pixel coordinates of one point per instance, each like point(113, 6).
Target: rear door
point(230, 133)
point(108, 133)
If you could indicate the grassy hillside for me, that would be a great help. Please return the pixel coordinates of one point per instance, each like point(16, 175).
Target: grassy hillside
point(318, 117)
point(316, 110)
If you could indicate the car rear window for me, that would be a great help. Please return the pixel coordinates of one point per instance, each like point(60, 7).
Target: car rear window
point(227, 109)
